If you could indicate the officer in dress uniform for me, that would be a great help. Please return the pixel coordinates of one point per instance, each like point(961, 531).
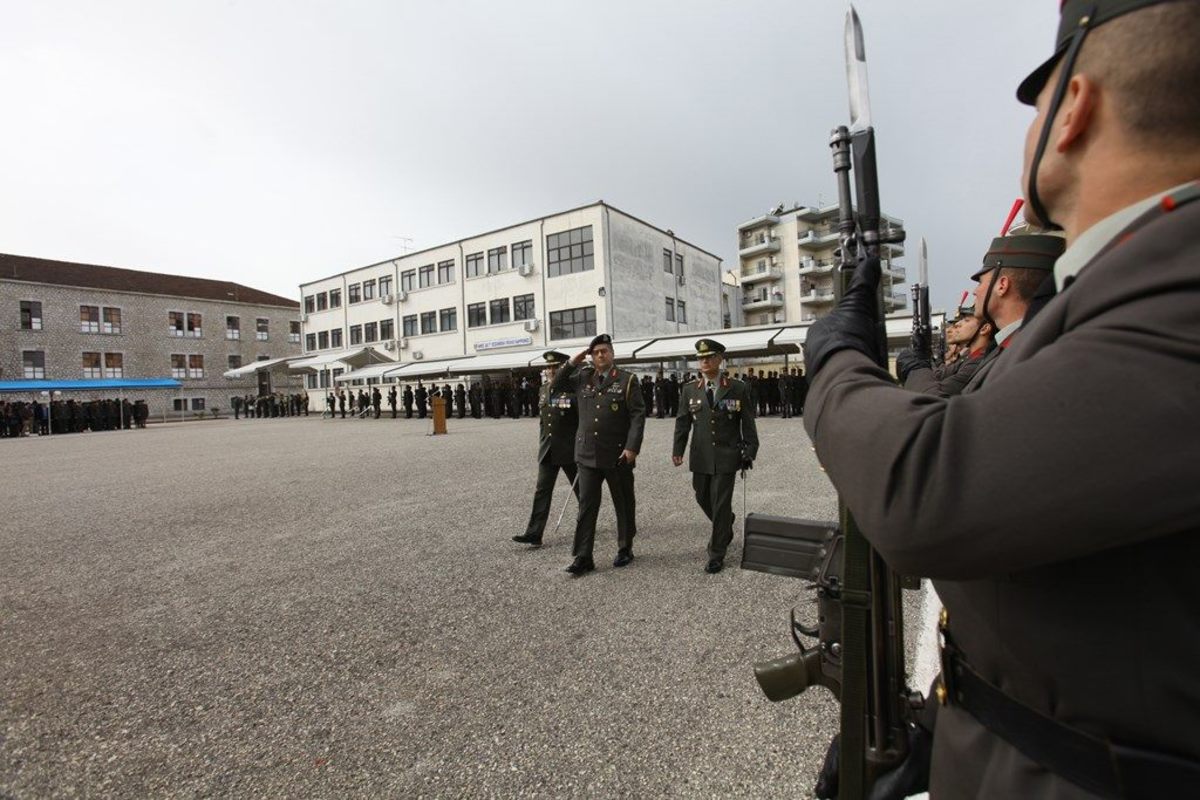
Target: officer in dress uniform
point(421, 396)
point(1066, 556)
point(392, 400)
point(556, 448)
point(612, 419)
point(725, 441)
point(460, 400)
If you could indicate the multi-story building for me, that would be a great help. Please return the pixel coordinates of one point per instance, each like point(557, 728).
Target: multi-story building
point(787, 265)
point(553, 282)
point(62, 320)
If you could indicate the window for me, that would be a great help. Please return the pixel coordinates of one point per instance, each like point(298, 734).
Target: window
point(682, 312)
point(89, 319)
point(294, 331)
point(499, 311)
point(335, 337)
point(408, 280)
point(197, 404)
point(523, 307)
point(114, 365)
point(179, 404)
point(262, 357)
point(31, 315)
point(322, 301)
point(112, 320)
point(355, 293)
point(335, 298)
point(371, 332)
point(233, 328)
point(522, 253)
point(569, 251)
point(445, 272)
point(670, 309)
point(667, 261)
point(387, 329)
point(310, 342)
point(322, 340)
point(410, 325)
point(91, 365)
point(175, 323)
point(449, 319)
point(234, 361)
point(474, 265)
point(33, 363)
point(309, 306)
point(429, 322)
point(574, 323)
point(425, 276)
point(195, 366)
point(497, 259)
point(178, 365)
point(679, 268)
point(476, 315)
point(385, 285)
point(356, 334)
point(368, 290)
point(195, 327)
point(262, 328)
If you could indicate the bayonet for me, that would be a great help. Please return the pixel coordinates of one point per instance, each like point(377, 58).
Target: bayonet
point(856, 74)
point(923, 264)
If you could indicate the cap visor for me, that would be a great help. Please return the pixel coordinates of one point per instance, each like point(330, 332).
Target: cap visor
point(1032, 86)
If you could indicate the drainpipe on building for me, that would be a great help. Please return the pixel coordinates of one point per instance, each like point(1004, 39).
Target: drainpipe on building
point(462, 296)
point(544, 306)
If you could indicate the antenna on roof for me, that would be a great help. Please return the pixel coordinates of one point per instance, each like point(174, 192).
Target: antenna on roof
point(406, 243)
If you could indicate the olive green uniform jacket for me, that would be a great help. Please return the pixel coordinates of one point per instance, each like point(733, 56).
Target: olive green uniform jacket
point(612, 413)
point(721, 431)
point(558, 422)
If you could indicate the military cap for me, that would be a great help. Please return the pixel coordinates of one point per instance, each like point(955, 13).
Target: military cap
point(961, 313)
point(554, 357)
point(1026, 251)
point(708, 347)
point(603, 338)
point(1076, 16)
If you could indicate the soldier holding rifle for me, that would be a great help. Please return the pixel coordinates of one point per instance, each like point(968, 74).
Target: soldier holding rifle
point(1069, 657)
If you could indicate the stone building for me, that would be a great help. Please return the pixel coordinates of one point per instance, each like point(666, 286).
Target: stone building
point(60, 320)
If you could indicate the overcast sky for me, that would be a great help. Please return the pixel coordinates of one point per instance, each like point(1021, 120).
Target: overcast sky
point(272, 143)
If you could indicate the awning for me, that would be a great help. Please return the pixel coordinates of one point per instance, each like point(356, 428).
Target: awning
point(373, 373)
point(494, 361)
point(351, 358)
point(745, 342)
point(246, 370)
point(417, 369)
point(626, 351)
point(90, 385)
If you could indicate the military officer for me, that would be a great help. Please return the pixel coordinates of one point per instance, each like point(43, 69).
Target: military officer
point(718, 408)
point(422, 397)
point(1079, 517)
point(559, 419)
point(612, 419)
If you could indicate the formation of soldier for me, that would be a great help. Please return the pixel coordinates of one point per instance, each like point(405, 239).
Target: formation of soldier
point(276, 404)
point(20, 418)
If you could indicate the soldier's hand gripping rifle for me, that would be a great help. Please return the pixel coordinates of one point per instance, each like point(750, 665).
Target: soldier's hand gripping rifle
point(860, 651)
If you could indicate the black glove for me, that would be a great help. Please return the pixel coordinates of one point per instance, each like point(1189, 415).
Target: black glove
point(747, 463)
point(907, 361)
point(911, 777)
point(922, 344)
point(852, 324)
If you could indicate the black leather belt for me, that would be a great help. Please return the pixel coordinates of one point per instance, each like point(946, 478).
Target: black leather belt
point(1098, 765)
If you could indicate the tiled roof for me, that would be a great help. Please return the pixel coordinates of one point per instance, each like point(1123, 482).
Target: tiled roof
point(65, 273)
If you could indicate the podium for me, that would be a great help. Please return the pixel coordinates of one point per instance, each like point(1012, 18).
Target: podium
point(439, 415)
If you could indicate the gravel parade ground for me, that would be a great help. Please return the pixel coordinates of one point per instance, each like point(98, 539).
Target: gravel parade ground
point(329, 608)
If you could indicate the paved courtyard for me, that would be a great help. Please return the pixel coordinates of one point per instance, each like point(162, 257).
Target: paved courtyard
point(322, 608)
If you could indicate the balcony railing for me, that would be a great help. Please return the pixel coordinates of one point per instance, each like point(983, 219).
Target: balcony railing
point(752, 302)
point(758, 245)
point(813, 266)
point(769, 273)
point(817, 296)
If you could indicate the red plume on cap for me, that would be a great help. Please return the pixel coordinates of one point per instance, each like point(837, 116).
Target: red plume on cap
point(1012, 214)
point(963, 299)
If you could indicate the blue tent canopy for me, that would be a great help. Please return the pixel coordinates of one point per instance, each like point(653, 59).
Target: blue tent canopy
point(93, 385)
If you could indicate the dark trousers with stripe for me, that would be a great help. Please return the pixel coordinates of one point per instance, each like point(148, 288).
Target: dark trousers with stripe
point(544, 494)
point(714, 493)
point(620, 486)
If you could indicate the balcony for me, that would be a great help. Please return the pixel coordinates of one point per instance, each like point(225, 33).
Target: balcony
point(894, 271)
point(762, 301)
point(758, 245)
point(818, 239)
point(895, 302)
point(758, 222)
point(814, 266)
point(771, 273)
point(817, 297)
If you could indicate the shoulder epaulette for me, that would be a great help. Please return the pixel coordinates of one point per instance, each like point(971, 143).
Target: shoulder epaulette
point(1182, 197)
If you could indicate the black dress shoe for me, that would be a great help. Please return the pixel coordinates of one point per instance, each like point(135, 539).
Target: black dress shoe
point(526, 538)
point(624, 557)
point(581, 565)
point(715, 565)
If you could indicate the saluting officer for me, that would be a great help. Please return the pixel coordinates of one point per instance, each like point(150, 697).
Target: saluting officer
point(612, 418)
point(559, 419)
point(725, 441)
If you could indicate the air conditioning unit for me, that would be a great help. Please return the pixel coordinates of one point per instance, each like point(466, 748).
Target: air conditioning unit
point(417, 355)
point(387, 299)
point(401, 296)
point(304, 317)
point(402, 344)
point(390, 344)
point(679, 279)
point(525, 269)
point(531, 325)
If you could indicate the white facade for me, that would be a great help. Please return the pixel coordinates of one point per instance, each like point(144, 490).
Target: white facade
point(786, 267)
point(553, 282)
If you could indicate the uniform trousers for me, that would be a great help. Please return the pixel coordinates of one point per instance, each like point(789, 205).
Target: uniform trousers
point(547, 477)
point(714, 493)
point(620, 486)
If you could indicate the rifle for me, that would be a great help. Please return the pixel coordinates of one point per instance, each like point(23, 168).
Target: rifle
point(922, 327)
point(860, 652)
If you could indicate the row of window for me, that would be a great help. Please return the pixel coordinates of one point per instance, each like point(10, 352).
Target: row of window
point(676, 311)
point(184, 324)
point(323, 300)
point(673, 269)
